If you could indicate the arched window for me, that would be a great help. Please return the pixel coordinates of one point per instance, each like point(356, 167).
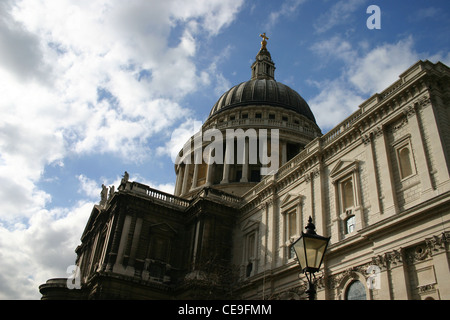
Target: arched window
point(404, 156)
point(347, 194)
point(356, 291)
point(292, 216)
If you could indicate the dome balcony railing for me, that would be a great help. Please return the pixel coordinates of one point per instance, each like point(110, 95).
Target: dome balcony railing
point(270, 123)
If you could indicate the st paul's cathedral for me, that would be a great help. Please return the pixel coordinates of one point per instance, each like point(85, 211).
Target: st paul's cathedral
point(377, 184)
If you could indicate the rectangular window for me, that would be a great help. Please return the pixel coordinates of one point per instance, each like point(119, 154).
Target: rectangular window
point(159, 248)
point(250, 254)
point(346, 180)
point(251, 246)
point(292, 231)
point(350, 224)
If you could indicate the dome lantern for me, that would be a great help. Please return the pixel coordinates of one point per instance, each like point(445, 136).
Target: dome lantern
point(263, 67)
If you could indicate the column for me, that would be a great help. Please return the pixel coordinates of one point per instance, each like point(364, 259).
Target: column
point(244, 177)
point(186, 178)
point(119, 218)
point(226, 167)
point(197, 162)
point(135, 242)
point(179, 182)
point(118, 267)
point(209, 175)
point(195, 177)
point(283, 152)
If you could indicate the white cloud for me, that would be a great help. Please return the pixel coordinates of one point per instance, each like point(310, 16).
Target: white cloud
point(335, 48)
point(100, 49)
point(23, 56)
point(380, 67)
point(222, 84)
point(213, 15)
point(89, 187)
point(338, 14)
point(287, 9)
point(363, 74)
point(43, 249)
point(79, 78)
point(334, 103)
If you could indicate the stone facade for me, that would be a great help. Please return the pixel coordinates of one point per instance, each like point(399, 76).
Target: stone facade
point(378, 184)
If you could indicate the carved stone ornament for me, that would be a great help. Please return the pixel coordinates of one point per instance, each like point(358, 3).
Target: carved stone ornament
point(377, 132)
point(409, 111)
point(399, 124)
point(307, 177)
point(365, 139)
point(335, 281)
point(427, 288)
point(426, 249)
point(424, 101)
point(388, 259)
point(438, 243)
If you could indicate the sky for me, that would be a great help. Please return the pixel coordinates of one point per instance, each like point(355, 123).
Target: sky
point(91, 89)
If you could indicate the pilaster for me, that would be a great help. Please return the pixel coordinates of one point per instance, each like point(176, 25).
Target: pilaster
point(438, 247)
point(417, 140)
point(387, 190)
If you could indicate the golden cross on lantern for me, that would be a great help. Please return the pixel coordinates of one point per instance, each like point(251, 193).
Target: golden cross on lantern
point(263, 42)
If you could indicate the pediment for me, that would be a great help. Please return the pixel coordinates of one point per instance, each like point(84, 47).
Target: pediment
point(290, 199)
point(162, 227)
point(250, 225)
point(344, 166)
point(90, 224)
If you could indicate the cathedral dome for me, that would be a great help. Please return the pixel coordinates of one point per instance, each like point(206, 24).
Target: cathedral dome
point(263, 92)
point(252, 113)
point(263, 89)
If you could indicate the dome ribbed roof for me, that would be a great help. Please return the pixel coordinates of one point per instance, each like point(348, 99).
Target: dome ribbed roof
point(263, 92)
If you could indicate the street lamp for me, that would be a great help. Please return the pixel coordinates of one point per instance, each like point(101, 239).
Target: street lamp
point(310, 249)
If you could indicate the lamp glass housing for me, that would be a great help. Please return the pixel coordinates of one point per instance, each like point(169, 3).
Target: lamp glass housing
point(310, 250)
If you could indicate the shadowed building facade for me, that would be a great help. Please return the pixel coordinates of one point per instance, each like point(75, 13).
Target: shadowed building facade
point(378, 184)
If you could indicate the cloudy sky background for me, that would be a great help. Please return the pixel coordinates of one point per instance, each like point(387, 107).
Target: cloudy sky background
point(89, 89)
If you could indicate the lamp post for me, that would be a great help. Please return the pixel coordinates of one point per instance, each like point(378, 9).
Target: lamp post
point(310, 249)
